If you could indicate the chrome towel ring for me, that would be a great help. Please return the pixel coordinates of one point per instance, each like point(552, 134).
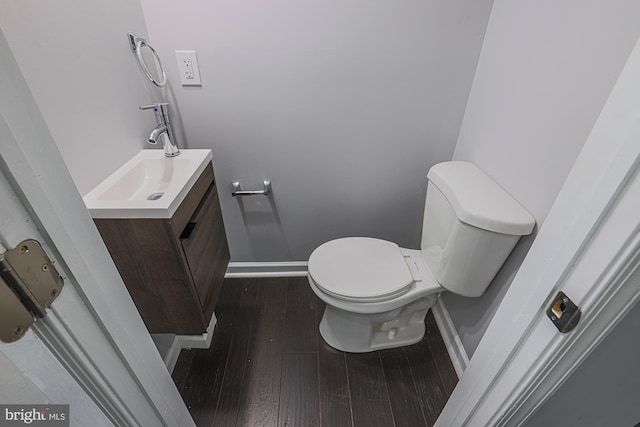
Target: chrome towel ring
point(137, 43)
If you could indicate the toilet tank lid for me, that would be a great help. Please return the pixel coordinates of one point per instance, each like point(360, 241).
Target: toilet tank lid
point(478, 200)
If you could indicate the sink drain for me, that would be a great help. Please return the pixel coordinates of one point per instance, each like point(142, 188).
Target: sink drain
point(155, 196)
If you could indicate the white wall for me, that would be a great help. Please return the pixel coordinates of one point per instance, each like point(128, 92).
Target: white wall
point(545, 71)
point(76, 59)
point(344, 105)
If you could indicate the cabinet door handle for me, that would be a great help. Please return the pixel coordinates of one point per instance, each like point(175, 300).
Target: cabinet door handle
point(186, 233)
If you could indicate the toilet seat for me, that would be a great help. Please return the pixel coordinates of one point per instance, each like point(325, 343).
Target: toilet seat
point(360, 269)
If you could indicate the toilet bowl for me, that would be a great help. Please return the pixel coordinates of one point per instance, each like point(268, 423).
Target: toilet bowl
point(378, 294)
point(376, 300)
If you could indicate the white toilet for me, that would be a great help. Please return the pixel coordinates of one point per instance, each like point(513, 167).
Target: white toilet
point(378, 294)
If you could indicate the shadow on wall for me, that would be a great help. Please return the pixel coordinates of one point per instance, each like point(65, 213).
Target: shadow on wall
point(471, 316)
point(259, 215)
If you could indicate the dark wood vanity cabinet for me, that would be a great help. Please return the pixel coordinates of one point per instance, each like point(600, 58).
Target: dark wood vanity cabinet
point(173, 268)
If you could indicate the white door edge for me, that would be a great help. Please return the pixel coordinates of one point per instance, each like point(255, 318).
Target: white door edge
point(586, 246)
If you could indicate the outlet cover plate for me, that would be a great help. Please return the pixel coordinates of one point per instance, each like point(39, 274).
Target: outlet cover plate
point(188, 68)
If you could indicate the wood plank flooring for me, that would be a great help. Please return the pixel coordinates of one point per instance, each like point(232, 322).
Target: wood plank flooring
point(269, 366)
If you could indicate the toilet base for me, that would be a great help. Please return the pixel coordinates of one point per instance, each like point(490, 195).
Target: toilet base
point(361, 333)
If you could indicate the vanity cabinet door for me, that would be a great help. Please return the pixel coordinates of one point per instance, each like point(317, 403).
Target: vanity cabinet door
point(152, 267)
point(205, 246)
point(190, 204)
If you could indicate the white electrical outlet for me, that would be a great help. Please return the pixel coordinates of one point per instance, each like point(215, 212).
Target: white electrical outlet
point(188, 68)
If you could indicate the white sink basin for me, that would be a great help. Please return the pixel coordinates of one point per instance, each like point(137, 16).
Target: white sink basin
point(149, 185)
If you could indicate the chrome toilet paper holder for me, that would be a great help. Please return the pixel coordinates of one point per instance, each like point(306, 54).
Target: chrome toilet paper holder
point(237, 191)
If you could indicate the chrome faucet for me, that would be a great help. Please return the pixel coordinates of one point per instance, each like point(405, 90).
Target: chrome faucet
point(164, 126)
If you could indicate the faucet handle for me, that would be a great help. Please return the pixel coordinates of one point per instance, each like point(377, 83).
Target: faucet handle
point(150, 107)
point(162, 107)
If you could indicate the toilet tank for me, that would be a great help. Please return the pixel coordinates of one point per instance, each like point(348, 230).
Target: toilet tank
point(470, 226)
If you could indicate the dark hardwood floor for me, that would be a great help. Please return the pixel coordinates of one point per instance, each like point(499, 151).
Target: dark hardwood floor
point(269, 366)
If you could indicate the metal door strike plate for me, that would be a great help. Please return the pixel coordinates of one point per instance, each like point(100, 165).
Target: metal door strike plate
point(29, 283)
point(564, 313)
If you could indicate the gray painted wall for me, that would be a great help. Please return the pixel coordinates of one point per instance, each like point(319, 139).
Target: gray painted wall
point(76, 60)
point(604, 390)
point(545, 71)
point(344, 105)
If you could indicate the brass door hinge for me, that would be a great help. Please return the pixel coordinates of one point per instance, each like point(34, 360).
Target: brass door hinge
point(29, 283)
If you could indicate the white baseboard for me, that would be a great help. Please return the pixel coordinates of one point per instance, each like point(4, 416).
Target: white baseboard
point(456, 350)
point(266, 269)
point(179, 342)
point(198, 341)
